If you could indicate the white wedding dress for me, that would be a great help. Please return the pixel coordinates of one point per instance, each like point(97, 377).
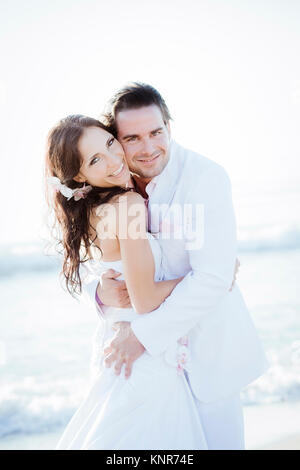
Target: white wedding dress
point(153, 409)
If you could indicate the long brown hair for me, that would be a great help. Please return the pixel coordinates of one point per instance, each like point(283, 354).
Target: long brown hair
point(72, 218)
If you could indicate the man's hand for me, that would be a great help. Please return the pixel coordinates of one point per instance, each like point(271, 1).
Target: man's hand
point(237, 265)
point(125, 348)
point(112, 292)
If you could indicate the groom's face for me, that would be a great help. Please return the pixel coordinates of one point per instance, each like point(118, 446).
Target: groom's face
point(145, 139)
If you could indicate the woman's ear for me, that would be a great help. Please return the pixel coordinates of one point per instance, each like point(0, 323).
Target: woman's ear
point(78, 178)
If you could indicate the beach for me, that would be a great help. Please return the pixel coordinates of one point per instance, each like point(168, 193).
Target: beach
point(46, 341)
point(229, 75)
point(274, 426)
point(48, 349)
point(289, 443)
point(267, 427)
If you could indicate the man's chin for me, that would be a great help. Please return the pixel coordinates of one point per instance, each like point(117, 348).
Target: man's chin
point(148, 172)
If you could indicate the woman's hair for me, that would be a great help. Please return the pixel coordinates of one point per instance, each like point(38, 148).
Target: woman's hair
point(72, 218)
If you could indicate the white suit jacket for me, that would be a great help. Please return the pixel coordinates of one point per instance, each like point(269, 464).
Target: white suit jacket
point(191, 211)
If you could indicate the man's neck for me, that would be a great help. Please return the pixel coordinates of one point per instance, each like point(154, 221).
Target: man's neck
point(140, 185)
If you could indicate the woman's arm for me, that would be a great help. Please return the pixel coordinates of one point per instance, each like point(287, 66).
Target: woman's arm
point(137, 258)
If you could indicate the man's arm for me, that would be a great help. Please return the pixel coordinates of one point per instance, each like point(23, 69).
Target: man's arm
point(212, 268)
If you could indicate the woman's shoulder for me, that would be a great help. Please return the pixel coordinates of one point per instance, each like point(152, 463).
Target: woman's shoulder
point(124, 202)
point(127, 200)
point(130, 207)
point(130, 197)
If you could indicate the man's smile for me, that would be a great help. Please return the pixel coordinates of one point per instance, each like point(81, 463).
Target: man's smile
point(149, 161)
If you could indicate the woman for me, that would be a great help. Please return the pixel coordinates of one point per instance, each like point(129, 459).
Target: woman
point(93, 203)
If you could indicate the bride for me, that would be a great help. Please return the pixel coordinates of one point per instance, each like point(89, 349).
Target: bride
point(95, 206)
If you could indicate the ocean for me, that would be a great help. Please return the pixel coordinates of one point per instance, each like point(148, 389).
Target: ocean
point(45, 338)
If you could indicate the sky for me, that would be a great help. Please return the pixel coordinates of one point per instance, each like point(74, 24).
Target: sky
point(229, 71)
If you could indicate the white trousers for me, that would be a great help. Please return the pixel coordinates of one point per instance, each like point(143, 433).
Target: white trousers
point(222, 421)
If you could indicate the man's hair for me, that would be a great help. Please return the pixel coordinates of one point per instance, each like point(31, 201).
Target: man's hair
point(134, 95)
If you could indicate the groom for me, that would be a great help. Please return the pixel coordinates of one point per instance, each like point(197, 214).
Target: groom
point(225, 350)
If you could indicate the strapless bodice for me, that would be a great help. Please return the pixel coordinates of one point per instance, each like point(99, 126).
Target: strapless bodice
point(156, 251)
point(128, 314)
point(177, 354)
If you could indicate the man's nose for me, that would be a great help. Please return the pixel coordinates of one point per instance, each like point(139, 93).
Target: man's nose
point(147, 147)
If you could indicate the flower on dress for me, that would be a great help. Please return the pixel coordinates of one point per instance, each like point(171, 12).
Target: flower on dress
point(184, 340)
point(182, 354)
point(179, 369)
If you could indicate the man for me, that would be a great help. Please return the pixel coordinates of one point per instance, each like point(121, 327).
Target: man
point(226, 353)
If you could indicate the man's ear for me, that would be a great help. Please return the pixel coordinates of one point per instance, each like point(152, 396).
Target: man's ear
point(168, 128)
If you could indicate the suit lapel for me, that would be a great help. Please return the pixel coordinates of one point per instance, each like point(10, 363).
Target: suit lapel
point(164, 191)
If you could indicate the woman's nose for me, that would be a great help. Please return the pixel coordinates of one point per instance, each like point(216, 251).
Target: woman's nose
point(113, 163)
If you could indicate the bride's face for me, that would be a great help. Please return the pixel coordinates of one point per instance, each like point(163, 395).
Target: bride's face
point(104, 163)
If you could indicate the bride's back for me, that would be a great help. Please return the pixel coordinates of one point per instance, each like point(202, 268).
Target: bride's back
point(103, 225)
point(102, 234)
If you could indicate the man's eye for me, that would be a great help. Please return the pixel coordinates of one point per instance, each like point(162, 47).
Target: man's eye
point(157, 132)
point(110, 142)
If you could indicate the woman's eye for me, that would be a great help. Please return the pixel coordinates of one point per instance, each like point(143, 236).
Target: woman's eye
point(110, 142)
point(94, 160)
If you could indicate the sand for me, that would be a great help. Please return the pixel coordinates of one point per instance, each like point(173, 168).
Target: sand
point(288, 443)
point(48, 442)
point(267, 427)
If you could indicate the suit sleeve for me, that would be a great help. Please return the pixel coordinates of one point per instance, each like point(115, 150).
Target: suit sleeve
point(212, 263)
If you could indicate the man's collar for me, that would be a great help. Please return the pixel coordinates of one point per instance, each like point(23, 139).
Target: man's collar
point(155, 180)
point(151, 185)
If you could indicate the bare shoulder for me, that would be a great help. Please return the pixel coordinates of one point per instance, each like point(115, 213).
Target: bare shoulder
point(126, 202)
point(130, 197)
point(119, 211)
point(118, 200)
point(131, 216)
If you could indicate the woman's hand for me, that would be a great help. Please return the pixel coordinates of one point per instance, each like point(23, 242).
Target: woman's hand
point(112, 292)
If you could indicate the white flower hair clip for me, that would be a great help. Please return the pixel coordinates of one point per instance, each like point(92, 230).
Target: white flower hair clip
point(77, 193)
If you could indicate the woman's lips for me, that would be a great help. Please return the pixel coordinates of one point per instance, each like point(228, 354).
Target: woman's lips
point(121, 172)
